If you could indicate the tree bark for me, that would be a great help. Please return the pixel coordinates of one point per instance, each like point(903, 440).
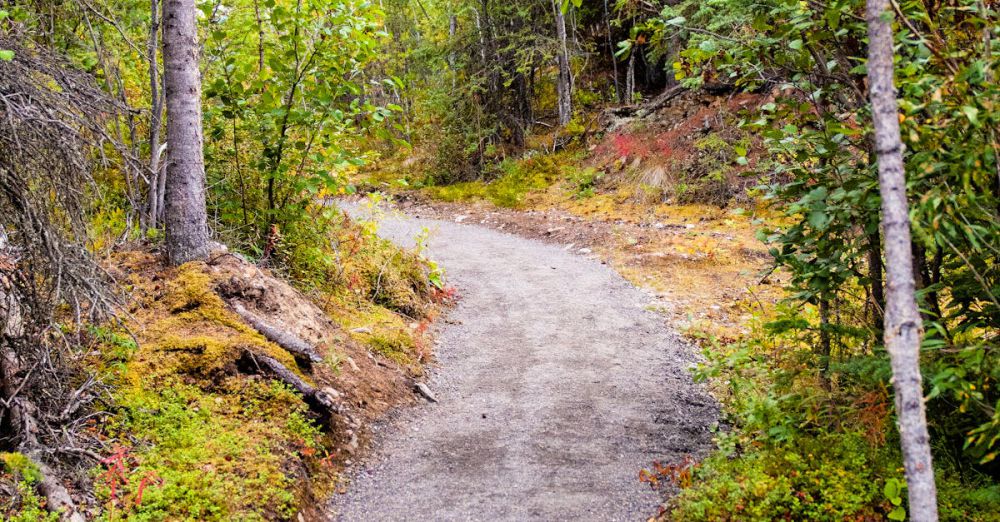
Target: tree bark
point(155, 118)
point(875, 276)
point(184, 213)
point(904, 328)
point(630, 78)
point(564, 84)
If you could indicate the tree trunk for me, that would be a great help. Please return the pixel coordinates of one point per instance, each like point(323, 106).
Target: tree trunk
point(611, 52)
point(630, 79)
point(452, 29)
point(564, 84)
point(185, 217)
point(875, 275)
point(155, 119)
point(904, 329)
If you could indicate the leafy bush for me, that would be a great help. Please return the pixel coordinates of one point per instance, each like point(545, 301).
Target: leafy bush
point(834, 476)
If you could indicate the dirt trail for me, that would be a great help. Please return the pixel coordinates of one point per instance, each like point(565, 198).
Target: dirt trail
point(556, 387)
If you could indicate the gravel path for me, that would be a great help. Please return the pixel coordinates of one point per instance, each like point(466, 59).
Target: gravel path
point(556, 387)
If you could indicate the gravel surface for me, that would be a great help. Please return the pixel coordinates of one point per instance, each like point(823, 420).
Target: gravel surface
point(556, 387)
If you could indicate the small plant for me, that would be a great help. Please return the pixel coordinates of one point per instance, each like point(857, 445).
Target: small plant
point(119, 467)
point(677, 474)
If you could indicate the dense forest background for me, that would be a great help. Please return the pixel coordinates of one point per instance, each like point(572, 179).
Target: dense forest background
point(758, 108)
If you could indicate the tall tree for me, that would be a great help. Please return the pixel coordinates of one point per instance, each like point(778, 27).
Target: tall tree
point(185, 218)
point(157, 180)
point(564, 85)
point(903, 325)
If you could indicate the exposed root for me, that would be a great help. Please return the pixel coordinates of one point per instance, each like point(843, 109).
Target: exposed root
point(320, 401)
point(290, 342)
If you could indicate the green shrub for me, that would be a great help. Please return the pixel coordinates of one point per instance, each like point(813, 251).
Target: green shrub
point(834, 476)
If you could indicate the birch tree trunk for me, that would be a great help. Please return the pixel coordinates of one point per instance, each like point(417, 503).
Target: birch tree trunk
point(185, 217)
point(630, 79)
point(903, 326)
point(155, 118)
point(564, 84)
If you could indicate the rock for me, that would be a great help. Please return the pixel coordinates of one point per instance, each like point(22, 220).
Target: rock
point(425, 391)
point(362, 330)
point(330, 392)
point(584, 251)
point(354, 365)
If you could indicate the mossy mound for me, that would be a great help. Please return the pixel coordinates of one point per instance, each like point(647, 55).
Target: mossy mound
point(190, 331)
point(197, 432)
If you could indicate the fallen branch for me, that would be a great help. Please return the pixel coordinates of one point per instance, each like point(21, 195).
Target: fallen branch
point(57, 498)
point(288, 341)
point(21, 411)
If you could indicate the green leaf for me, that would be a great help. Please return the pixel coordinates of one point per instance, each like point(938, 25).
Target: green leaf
point(676, 21)
point(6, 55)
point(891, 489)
point(972, 113)
point(795, 44)
point(898, 514)
point(819, 219)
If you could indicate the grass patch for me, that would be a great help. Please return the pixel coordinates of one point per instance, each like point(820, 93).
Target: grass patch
point(517, 180)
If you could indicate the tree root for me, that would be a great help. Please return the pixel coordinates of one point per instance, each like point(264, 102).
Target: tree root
point(21, 412)
point(290, 342)
point(320, 401)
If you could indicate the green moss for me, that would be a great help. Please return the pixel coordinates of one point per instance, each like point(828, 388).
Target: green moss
point(457, 192)
point(221, 455)
point(21, 466)
point(207, 442)
point(196, 335)
point(397, 345)
point(22, 476)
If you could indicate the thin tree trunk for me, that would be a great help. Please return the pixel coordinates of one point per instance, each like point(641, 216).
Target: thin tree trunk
point(564, 84)
point(185, 216)
point(452, 28)
point(825, 342)
point(904, 329)
point(875, 277)
point(611, 52)
point(630, 79)
point(155, 118)
point(260, 36)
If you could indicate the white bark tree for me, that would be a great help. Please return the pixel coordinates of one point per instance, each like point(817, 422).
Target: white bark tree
point(185, 218)
point(564, 84)
point(903, 325)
